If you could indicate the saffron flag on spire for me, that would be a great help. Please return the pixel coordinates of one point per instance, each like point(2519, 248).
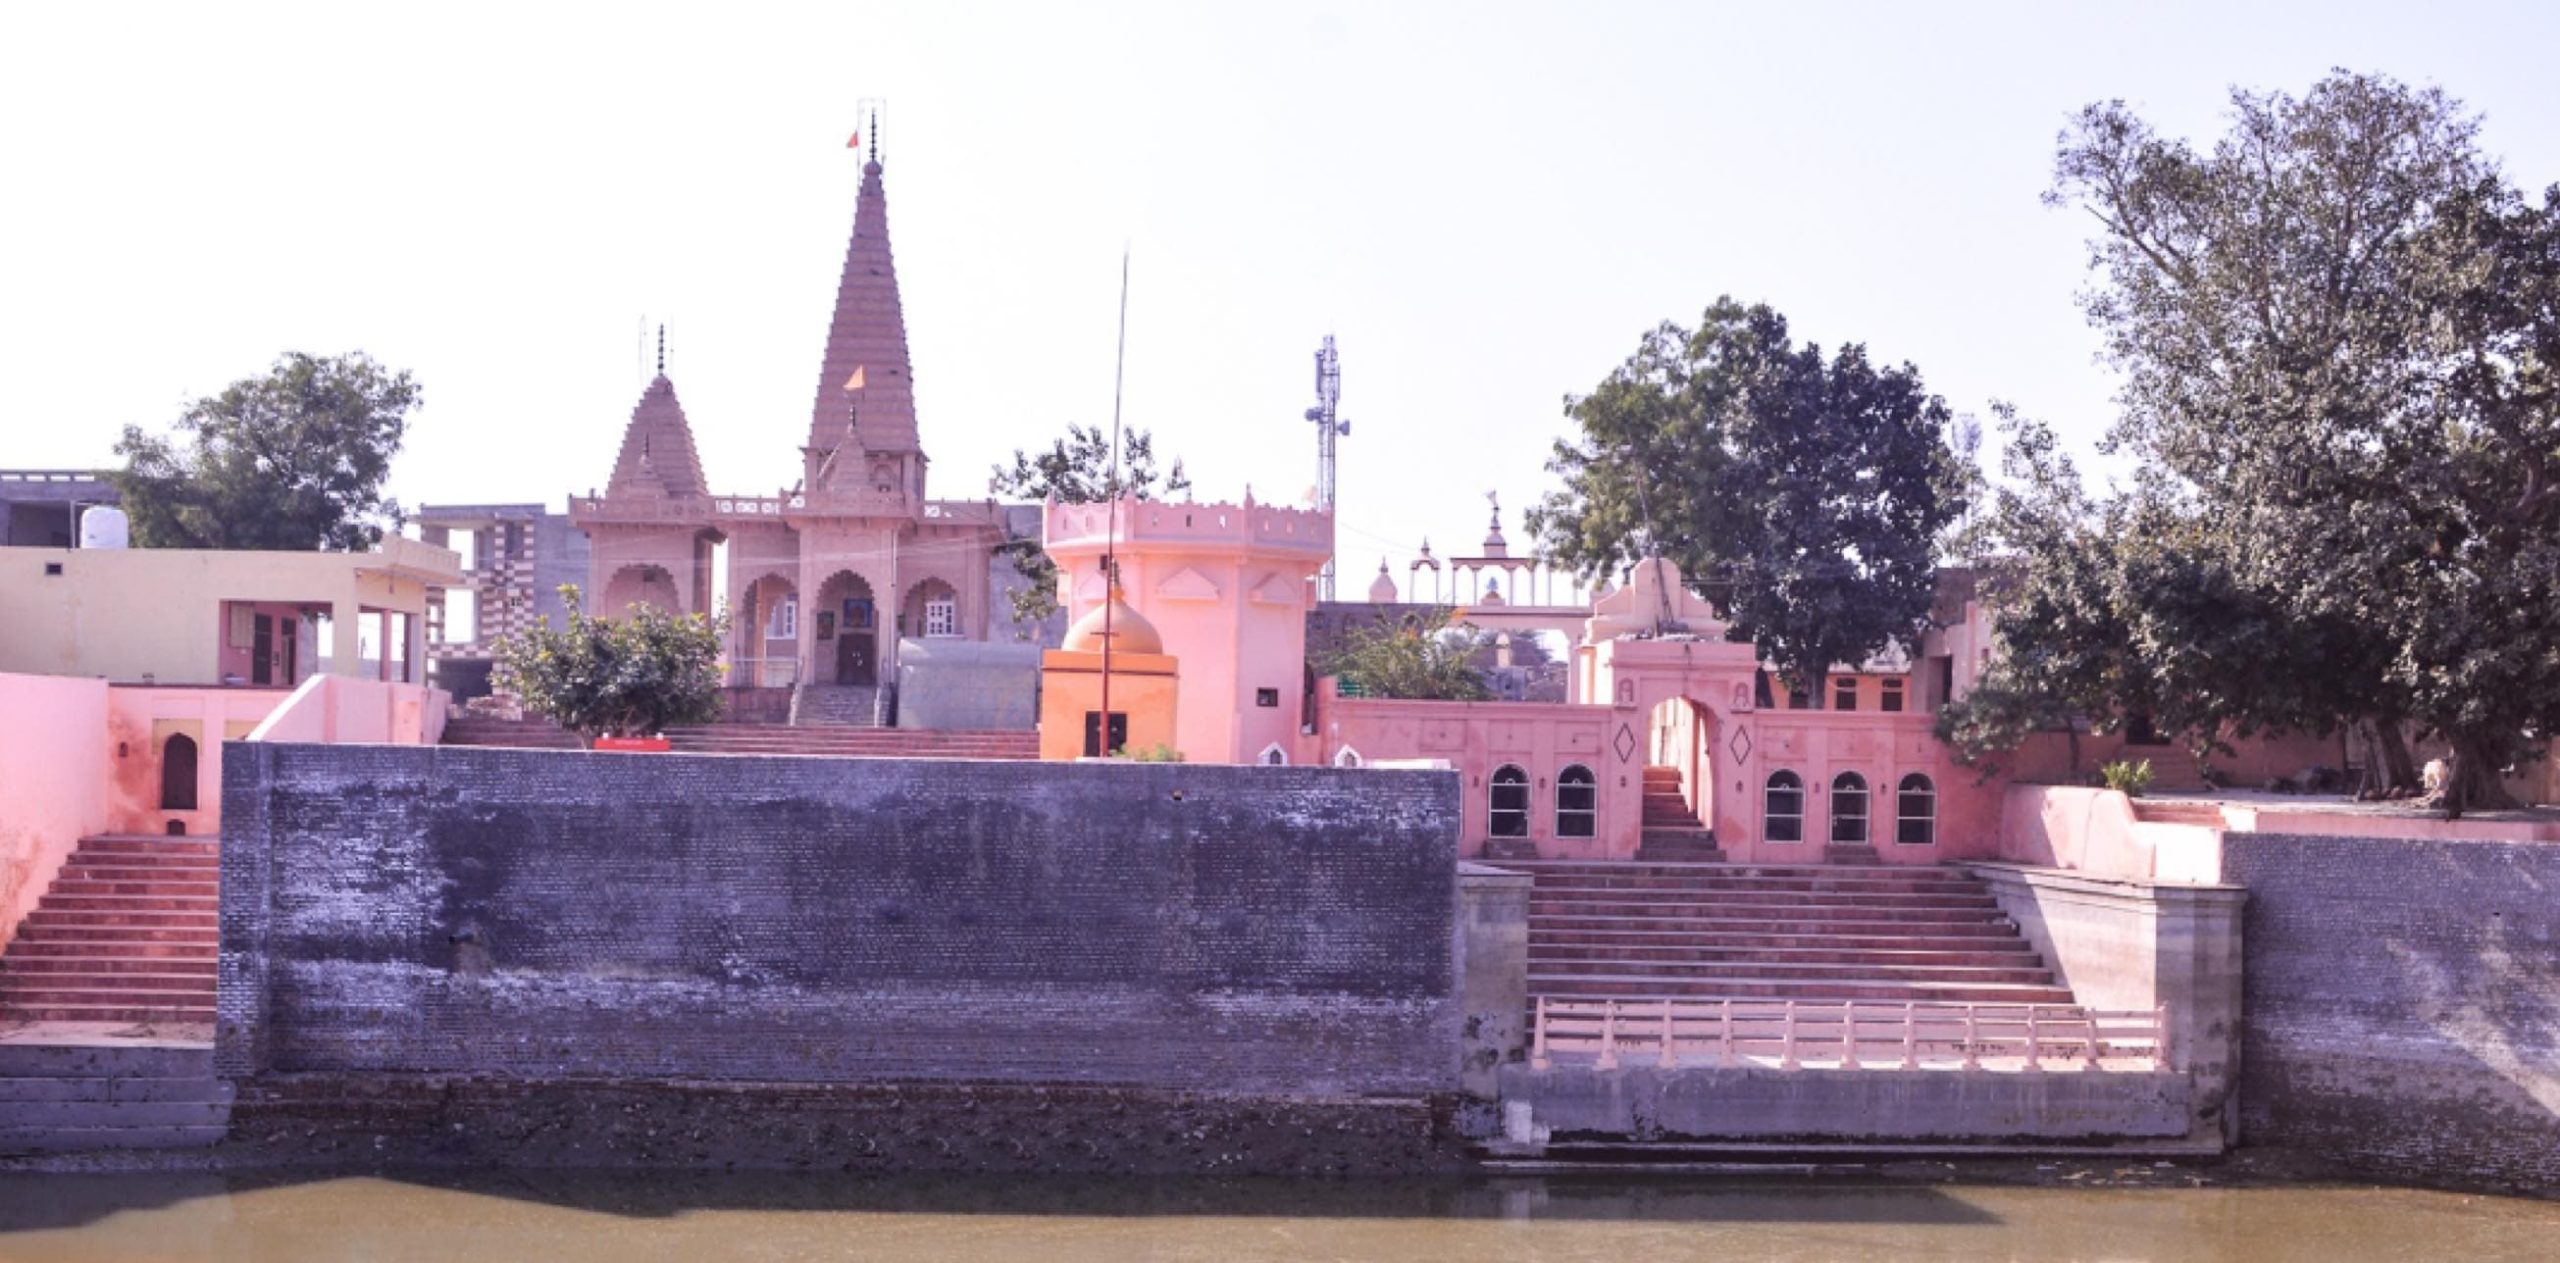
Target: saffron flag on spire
point(856, 142)
point(855, 382)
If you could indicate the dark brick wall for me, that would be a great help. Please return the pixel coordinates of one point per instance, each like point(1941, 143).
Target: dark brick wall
point(2403, 1004)
point(552, 914)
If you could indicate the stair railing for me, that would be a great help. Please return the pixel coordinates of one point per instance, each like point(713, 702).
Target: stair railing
point(1797, 1035)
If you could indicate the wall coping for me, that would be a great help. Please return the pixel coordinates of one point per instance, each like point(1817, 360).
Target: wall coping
point(1473, 873)
point(2072, 881)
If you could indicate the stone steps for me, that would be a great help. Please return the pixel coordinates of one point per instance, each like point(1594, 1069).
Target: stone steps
point(1665, 930)
point(81, 1097)
point(141, 946)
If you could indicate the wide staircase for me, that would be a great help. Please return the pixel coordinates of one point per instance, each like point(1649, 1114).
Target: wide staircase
point(835, 706)
point(1652, 931)
point(1672, 831)
point(128, 932)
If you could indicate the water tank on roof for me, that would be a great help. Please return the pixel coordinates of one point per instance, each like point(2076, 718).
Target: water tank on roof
point(103, 527)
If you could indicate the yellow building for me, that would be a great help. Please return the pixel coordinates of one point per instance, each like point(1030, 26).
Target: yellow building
point(208, 617)
point(1142, 684)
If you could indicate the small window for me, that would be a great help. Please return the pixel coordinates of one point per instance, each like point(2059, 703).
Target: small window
point(786, 620)
point(1797, 697)
point(1849, 808)
point(1348, 757)
point(1577, 803)
point(1844, 692)
point(1509, 816)
point(1782, 808)
point(1890, 701)
point(178, 773)
point(2140, 731)
point(1266, 697)
point(1273, 756)
point(941, 618)
point(1916, 812)
point(1093, 747)
point(53, 568)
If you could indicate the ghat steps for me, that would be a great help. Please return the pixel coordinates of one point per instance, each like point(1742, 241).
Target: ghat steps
point(77, 1096)
point(835, 706)
point(129, 931)
point(1775, 932)
point(1672, 830)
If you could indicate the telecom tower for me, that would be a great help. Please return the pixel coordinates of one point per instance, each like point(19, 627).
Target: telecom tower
point(1329, 425)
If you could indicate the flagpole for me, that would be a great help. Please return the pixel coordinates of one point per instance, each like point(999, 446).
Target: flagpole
point(1111, 519)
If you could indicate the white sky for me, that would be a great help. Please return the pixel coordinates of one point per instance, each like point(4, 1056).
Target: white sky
point(1485, 203)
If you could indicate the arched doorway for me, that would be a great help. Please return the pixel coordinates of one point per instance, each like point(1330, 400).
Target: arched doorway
point(1679, 777)
point(931, 610)
point(638, 585)
point(178, 773)
point(769, 631)
point(848, 631)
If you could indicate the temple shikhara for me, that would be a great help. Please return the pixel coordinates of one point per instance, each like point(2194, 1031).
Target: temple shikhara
point(825, 575)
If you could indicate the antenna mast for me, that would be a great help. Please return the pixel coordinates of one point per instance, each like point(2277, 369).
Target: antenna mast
point(1329, 424)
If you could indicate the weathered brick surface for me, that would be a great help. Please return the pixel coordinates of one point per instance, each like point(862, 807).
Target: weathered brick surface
point(2403, 1004)
point(552, 915)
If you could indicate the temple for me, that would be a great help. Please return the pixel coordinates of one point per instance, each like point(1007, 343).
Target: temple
point(824, 576)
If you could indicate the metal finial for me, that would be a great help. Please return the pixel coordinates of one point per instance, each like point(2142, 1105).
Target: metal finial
point(662, 350)
point(875, 135)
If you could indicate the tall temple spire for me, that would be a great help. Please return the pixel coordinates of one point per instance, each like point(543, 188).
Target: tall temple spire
point(658, 458)
point(868, 335)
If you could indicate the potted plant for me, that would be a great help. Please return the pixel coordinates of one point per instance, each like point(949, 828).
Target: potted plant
point(617, 683)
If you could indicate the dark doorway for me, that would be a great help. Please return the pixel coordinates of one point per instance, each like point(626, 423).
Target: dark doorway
point(1093, 747)
point(178, 774)
point(853, 659)
point(262, 648)
point(291, 630)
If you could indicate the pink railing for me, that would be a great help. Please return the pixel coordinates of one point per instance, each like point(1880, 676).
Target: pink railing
point(1848, 1035)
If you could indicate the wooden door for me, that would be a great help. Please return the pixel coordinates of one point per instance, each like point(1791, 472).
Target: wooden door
point(262, 647)
point(853, 658)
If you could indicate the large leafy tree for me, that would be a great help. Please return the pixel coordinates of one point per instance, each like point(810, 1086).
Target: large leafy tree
point(2336, 330)
point(1804, 492)
point(1421, 656)
point(1075, 470)
point(292, 460)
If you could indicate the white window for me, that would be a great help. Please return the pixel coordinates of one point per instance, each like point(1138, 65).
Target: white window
point(1346, 757)
point(786, 620)
point(1273, 756)
point(1916, 812)
point(1508, 806)
point(1577, 803)
point(1848, 808)
point(941, 618)
point(1782, 808)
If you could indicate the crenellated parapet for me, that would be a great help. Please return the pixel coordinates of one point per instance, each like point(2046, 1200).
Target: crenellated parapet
point(1089, 528)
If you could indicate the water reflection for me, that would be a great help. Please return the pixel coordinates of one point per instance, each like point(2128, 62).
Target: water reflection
point(615, 1217)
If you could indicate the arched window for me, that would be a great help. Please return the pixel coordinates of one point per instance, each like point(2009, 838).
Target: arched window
point(1347, 757)
point(1577, 803)
point(1273, 756)
point(1782, 808)
point(178, 774)
point(1509, 817)
point(1916, 812)
point(1848, 808)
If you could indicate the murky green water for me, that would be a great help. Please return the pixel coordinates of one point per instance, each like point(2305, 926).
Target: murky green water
point(610, 1218)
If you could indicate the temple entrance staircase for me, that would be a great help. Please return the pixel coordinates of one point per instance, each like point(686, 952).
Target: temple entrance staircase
point(129, 931)
point(1672, 831)
point(835, 706)
point(1887, 934)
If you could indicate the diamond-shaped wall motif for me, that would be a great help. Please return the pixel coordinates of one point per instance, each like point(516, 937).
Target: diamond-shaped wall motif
point(1625, 743)
point(1741, 744)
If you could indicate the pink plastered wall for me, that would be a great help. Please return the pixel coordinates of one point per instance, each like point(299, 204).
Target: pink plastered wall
point(53, 783)
point(140, 720)
point(1475, 738)
point(335, 709)
point(1818, 746)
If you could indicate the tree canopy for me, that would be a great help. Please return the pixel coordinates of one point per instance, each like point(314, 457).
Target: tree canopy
point(1075, 470)
point(1422, 657)
point(631, 676)
point(289, 461)
point(1804, 492)
point(2337, 331)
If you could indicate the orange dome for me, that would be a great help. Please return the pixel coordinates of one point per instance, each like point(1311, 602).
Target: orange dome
point(1130, 632)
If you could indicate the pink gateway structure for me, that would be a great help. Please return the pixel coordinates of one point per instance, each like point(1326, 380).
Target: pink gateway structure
point(1662, 751)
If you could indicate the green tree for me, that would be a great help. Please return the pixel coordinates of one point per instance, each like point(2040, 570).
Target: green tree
point(1419, 657)
point(1075, 470)
point(1804, 492)
point(632, 676)
point(289, 461)
point(2336, 330)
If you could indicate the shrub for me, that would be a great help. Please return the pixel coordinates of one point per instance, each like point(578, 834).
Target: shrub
point(1160, 752)
point(627, 677)
point(2130, 779)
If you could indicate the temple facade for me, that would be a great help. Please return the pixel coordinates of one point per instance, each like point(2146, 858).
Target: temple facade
point(826, 575)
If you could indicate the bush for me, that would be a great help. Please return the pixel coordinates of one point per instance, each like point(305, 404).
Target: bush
point(625, 677)
point(2130, 779)
point(1160, 752)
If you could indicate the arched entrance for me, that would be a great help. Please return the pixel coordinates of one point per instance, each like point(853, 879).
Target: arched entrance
point(1679, 783)
point(848, 631)
point(931, 610)
point(638, 585)
point(769, 631)
point(178, 773)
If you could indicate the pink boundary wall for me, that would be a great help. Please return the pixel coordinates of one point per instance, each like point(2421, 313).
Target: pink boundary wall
point(332, 708)
point(53, 783)
point(2100, 833)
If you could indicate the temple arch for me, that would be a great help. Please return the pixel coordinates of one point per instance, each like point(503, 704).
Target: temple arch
point(847, 631)
point(1849, 808)
point(638, 584)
